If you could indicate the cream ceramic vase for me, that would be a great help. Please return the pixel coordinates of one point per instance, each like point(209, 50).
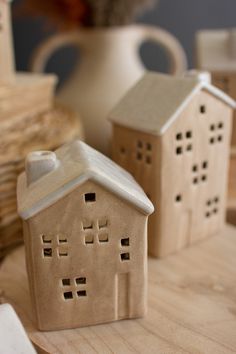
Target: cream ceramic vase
point(110, 64)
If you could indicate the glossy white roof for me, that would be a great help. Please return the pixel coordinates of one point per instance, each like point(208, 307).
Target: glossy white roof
point(154, 103)
point(77, 163)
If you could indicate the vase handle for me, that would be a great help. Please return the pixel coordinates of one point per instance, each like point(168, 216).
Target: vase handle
point(171, 45)
point(45, 50)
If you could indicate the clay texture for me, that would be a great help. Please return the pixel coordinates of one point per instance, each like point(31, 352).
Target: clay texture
point(173, 135)
point(85, 229)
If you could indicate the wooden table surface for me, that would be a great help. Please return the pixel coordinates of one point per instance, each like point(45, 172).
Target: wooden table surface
point(231, 210)
point(192, 306)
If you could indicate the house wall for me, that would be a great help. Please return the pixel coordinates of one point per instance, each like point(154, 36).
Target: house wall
point(194, 173)
point(87, 260)
point(6, 50)
point(226, 81)
point(140, 154)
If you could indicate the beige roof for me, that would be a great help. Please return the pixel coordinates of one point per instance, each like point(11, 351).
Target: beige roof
point(212, 50)
point(77, 163)
point(157, 99)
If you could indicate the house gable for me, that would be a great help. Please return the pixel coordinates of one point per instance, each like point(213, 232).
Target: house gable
point(156, 101)
point(77, 163)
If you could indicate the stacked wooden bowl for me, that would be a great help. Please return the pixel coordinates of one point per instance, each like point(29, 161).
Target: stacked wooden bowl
point(39, 126)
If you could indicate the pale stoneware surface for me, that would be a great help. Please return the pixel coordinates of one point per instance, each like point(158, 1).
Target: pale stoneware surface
point(13, 339)
point(115, 289)
point(76, 163)
point(226, 81)
point(216, 52)
point(166, 175)
point(86, 260)
point(109, 65)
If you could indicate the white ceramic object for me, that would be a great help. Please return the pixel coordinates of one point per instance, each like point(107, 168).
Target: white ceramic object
point(13, 339)
point(110, 64)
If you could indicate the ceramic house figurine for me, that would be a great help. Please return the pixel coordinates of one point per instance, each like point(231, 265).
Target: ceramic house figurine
point(6, 50)
point(173, 135)
point(216, 52)
point(13, 339)
point(85, 223)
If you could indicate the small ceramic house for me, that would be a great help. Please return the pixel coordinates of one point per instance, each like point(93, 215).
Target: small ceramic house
point(85, 222)
point(6, 50)
point(216, 53)
point(173, 135)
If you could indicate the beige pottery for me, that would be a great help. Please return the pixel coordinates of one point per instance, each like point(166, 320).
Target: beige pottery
point(109, 65)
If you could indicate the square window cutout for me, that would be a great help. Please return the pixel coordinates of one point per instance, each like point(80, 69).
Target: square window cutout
point(62, 253)
point(88, 239)
point(178, 198)
point(68, 295)
point(179, 150)
point(102, 223)
point(62, 238)
point(87, 225)
point(46, 239)
point(125, 256)
point(66, 282)
point(47, 252)
point(103, 237)
point(81, 293)
point(189, 134)
point(125, 241)
point(149, 146)
point(81, 280)
point(139, 156)
point(202, 109)
point(90, 197)
point(179, 136)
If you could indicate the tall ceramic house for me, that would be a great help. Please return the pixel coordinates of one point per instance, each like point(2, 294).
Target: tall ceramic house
point(173, 135)
point(6, 50)
point(85, 229)
point(216, 52)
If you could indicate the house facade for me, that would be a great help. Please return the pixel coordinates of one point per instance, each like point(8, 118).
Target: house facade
point(216, 53)
point(6, 46)
point(86, 260)
point(173, 135)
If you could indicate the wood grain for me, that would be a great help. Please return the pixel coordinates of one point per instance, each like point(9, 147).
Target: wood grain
point(192, 306)
point(231, 207)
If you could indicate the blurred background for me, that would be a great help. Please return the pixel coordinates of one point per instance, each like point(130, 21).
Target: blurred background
point(182, 18)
